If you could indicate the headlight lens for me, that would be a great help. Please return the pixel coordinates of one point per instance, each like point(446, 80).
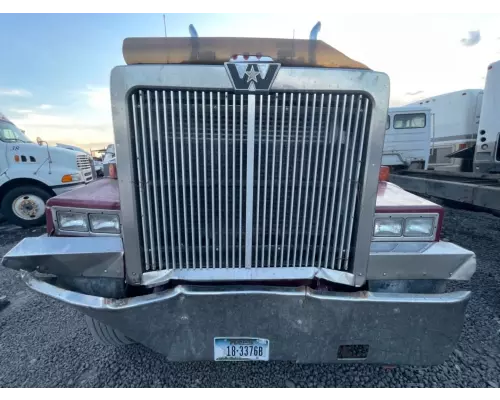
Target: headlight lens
point(104, 223)
point(71, 221)
point(388, 227)
point(419, 227)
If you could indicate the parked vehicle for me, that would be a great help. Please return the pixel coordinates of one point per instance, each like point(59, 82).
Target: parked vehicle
point(31, 173)
point(407, 140)
point(455, 127)
point(478, 184)
point(248, 220)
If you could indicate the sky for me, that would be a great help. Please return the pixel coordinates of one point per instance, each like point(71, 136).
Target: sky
point(54, 74)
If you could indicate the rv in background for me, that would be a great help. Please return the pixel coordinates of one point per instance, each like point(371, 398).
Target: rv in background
point(455, 127)
point(407, 138)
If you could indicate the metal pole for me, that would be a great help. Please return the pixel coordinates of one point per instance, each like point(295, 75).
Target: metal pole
point(165, 25)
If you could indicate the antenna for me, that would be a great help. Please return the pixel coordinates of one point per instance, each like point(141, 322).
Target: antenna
point(165, 25)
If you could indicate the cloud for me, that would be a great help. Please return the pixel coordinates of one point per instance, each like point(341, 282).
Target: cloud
point(45, 107)
point(20, 111)
point(98, 98)
point(15, 92)
point(473, 39)
point(414, 93)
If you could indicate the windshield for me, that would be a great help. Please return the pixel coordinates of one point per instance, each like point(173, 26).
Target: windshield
point(12, 134)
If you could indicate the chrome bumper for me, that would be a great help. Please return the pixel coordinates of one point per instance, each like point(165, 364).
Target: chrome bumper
point(302, 325)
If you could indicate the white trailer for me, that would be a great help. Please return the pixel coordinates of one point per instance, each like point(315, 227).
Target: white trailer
point(407, 137)
point(455, 127)
point(31, 173)
point(487, 151)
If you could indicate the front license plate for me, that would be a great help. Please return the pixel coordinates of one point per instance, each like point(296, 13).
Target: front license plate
point(241, 349)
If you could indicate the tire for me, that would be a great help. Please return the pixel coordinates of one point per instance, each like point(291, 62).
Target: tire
point(29, 203)
point(106, 335)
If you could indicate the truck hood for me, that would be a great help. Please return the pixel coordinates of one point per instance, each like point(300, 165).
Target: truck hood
point(36, 154)
point(104, 194)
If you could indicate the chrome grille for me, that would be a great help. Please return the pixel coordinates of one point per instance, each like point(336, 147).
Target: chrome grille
point(232, 181)
point(82, 161)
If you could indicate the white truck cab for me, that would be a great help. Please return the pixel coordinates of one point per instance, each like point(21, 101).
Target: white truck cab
point(31, 173)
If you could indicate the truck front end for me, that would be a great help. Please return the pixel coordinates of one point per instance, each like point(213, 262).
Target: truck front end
point(247, 221)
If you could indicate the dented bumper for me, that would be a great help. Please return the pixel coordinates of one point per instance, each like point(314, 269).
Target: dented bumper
point(301, 324)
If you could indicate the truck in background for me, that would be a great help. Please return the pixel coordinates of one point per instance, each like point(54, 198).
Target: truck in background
point(455, 127)
point(31, 173)
point(472, 176)
point(408, 133)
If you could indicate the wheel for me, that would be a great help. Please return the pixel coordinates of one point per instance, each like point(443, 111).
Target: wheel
point(25, 206)
point(106, 335)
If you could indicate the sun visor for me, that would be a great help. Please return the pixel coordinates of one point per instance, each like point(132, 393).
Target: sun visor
point(210, 50)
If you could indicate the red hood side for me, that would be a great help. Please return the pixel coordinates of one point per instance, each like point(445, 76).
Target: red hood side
point(101, 194)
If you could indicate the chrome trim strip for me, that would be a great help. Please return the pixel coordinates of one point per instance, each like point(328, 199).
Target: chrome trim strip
point(250, 182)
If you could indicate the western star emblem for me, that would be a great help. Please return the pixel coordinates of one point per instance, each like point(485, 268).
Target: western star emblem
point(252, 77)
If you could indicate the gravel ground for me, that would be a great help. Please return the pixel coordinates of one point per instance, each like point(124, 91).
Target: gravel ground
point(43, 343)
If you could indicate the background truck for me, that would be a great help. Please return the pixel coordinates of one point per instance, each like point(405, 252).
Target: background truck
point(31, 173)
point(469, 139)
point(407, 140)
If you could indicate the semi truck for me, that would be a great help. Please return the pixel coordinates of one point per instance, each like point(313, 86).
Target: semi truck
point(247, 217)
point(31, 173)
point(469, 139)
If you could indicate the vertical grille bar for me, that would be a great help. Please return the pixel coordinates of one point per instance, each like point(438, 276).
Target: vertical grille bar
point(205, 181)
point(283, 234)
point(141, 183)
point(198, 214)
point(212, 182)
point(226, 141)
point(259, 139)
point(240, 183)
point(185, 214)
point(190, 162)
point(147, 183)
point(156, 227)
point(169, 184)
point(234, 180)
point(176, 184)
point(250, 162)
point(219, 177)
point(311, 145)
point(293, 180)
point(273, 164)
point(162, 182)
point(357, 174)
point(265, 182)
point(299, 204)
point(283, 102)
point(323, 205)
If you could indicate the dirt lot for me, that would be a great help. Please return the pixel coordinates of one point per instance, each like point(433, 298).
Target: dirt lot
point(45, 343)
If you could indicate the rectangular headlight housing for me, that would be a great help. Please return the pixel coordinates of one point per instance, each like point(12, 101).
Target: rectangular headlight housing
point(104, 223)
point(72, 221)
point(388, 227)
point(419, 227)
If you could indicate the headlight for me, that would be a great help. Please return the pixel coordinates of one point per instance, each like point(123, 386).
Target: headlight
point(388, 227)
point(419, 227)
point(71, 178)
point(71, 221)
point(104, 223)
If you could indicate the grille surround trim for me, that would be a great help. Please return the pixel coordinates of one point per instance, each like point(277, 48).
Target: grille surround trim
point(204, 77)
